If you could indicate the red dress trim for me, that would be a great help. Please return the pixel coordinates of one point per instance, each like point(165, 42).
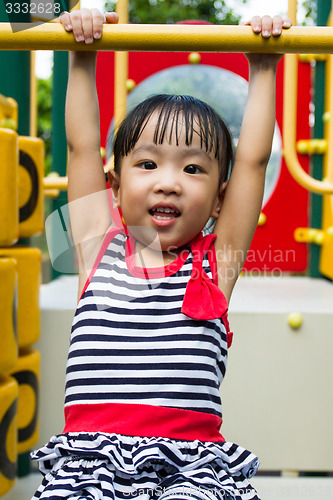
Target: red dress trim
point(152, 272)
point(144, 421)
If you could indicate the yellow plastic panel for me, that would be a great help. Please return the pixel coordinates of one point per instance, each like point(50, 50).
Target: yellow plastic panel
point(8, 351)
point(31, 199)
point(8, 432)
point(28, 272)
point(8, 187)
point(26, 373)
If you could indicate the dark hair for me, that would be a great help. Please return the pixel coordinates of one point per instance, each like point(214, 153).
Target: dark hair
point(212, 130)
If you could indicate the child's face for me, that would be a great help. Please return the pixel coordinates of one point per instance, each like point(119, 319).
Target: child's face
point(171, 189)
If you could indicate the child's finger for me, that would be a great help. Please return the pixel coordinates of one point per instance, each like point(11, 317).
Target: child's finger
point(97, 23)
point(286, 24)
point(256, 24)
point(266, 26)
point(277, 25)
point(111, 18)
point(82, 22)
point(65, 20)
point(76, 23)
point(87, 25)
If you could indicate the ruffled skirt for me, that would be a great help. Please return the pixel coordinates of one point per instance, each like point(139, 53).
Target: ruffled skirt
point(112, 466)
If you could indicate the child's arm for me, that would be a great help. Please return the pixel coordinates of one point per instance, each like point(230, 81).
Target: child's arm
point(241, 205)
point(87, 195)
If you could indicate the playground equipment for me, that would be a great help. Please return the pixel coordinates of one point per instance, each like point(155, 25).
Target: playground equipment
point(24, 186)
point(323, 236)
point(168, 38)
point(21, 215)
point(22, 168)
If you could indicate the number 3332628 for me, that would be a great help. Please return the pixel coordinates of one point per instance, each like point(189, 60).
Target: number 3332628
point(33, 8)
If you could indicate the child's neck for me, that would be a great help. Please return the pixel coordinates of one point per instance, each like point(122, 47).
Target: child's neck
point(148, 257)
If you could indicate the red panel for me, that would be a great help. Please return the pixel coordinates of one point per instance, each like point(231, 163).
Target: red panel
point(273, 246)
point(105, 90)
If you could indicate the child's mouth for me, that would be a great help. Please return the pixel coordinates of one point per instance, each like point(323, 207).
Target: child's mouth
point(164, 213)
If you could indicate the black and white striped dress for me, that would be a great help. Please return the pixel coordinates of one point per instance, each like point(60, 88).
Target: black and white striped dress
point(142, 402)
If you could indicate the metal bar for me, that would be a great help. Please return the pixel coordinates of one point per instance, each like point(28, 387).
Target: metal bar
point(150, 37)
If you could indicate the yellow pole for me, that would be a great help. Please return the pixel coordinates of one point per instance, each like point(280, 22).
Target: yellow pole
point(54, 182)
point(289, 121)
point(33, 95)
point(167, 37)
point(328, 131)
point(121, 70)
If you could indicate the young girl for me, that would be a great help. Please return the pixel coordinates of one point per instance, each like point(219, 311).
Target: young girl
point(150, 335)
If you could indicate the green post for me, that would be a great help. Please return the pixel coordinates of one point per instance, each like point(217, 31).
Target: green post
point(323, 10)
point(15, 72)
point(59, 143)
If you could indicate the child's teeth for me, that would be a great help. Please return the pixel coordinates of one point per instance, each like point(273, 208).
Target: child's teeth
point(166, 210)
point(161, 217)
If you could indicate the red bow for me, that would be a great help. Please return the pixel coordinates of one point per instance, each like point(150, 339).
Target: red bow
point(203, 299)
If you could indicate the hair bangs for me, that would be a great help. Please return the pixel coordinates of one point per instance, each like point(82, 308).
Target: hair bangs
point(185, 111)
point(176, 112)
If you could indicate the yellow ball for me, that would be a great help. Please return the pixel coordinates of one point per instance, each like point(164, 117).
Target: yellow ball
point(130, 84)
point(312, 235)
point(302, 147)
point(319, 238)
point(194, 58)
point(8, 123)
point(323, 146)
point(295, 320)
point(262, 219)
point(318, 146)
point(326, 117)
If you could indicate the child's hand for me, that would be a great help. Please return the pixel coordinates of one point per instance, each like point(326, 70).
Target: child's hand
point(267, 26)
point(87, 25)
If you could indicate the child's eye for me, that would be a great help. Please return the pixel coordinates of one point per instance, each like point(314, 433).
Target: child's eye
point(148, 165)
point(192, 169)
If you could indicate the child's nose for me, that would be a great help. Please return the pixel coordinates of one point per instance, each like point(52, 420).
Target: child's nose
point(168, 184)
